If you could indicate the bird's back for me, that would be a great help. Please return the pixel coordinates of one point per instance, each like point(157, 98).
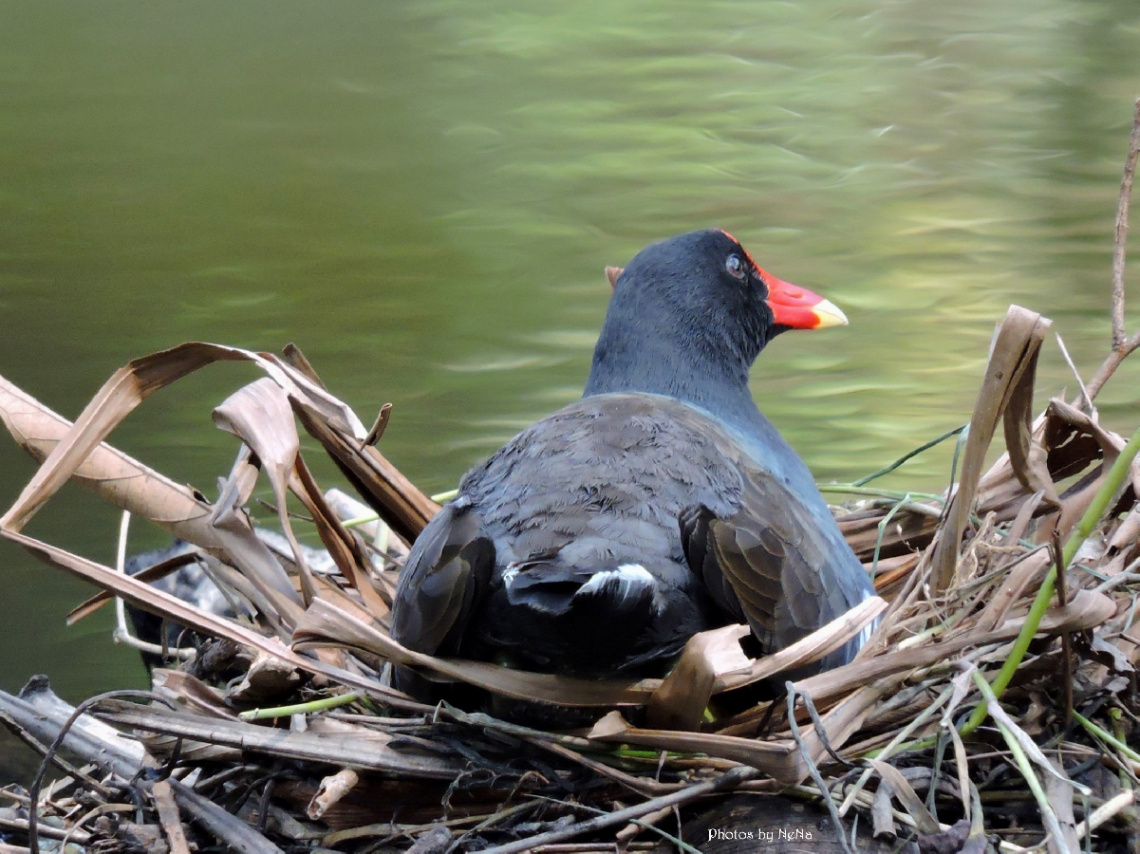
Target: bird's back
point(595, 557)
point(583, 512)
point(609, 473)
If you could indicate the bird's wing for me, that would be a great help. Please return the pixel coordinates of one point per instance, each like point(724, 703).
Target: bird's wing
point(446, 575)
point(767, 563)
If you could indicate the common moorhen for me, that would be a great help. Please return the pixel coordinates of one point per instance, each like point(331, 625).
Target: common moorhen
point(662, 503)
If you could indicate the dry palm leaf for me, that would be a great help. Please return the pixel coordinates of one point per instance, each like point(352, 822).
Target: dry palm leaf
point(1007, 390)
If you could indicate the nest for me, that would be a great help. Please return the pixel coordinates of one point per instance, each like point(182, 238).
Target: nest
point(994, 708)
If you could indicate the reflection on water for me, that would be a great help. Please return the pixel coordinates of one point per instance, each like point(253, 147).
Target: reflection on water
point(423, 196)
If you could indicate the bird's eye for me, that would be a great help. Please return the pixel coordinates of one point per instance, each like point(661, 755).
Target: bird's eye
point(734, 266)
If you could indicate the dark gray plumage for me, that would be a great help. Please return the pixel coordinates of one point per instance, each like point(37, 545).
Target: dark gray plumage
point(663, 503)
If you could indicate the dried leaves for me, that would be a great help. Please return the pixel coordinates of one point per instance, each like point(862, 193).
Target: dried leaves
point(1006, 394)
point(966, 582)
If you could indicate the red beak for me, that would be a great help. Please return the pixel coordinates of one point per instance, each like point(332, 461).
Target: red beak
point(799, 308)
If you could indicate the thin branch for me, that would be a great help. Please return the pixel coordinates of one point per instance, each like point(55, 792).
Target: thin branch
point(805, 754)
point(1118, 333)
point(1111, 363)
point(1122, 345)
point(725, 782)
point(1086, 398)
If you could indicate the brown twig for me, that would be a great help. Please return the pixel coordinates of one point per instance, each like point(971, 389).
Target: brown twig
point(34, 788)
point(1122, 344)
point(66, 767)
point(1122, 233)
point(725, 782)
point(824, 791)
point(169, 817)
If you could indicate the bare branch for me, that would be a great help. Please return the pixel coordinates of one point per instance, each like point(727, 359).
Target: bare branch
point(1122, 345)
point(1111, 363)
point(1122, 233)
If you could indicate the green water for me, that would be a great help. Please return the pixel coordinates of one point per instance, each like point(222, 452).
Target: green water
point(423, 197)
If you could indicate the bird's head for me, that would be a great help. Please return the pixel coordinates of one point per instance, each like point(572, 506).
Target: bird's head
point(702, 296)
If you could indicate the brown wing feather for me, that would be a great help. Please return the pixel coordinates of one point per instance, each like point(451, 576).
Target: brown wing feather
point(765, 563)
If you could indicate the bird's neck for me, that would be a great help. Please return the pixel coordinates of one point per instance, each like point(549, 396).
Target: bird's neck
point(657, 365)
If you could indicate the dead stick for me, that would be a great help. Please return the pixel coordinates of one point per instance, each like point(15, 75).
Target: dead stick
point(1122, 345)
point(1122, 233)
point(726, 781)
point(631, 830)
point(805, 754)
point(641, 785)
point(66, 767)
point(169, 817)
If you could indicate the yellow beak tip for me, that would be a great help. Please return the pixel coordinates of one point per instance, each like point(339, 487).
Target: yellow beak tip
point(829, 315)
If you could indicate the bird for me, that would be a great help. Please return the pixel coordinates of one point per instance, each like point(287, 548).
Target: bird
point(660, 504)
